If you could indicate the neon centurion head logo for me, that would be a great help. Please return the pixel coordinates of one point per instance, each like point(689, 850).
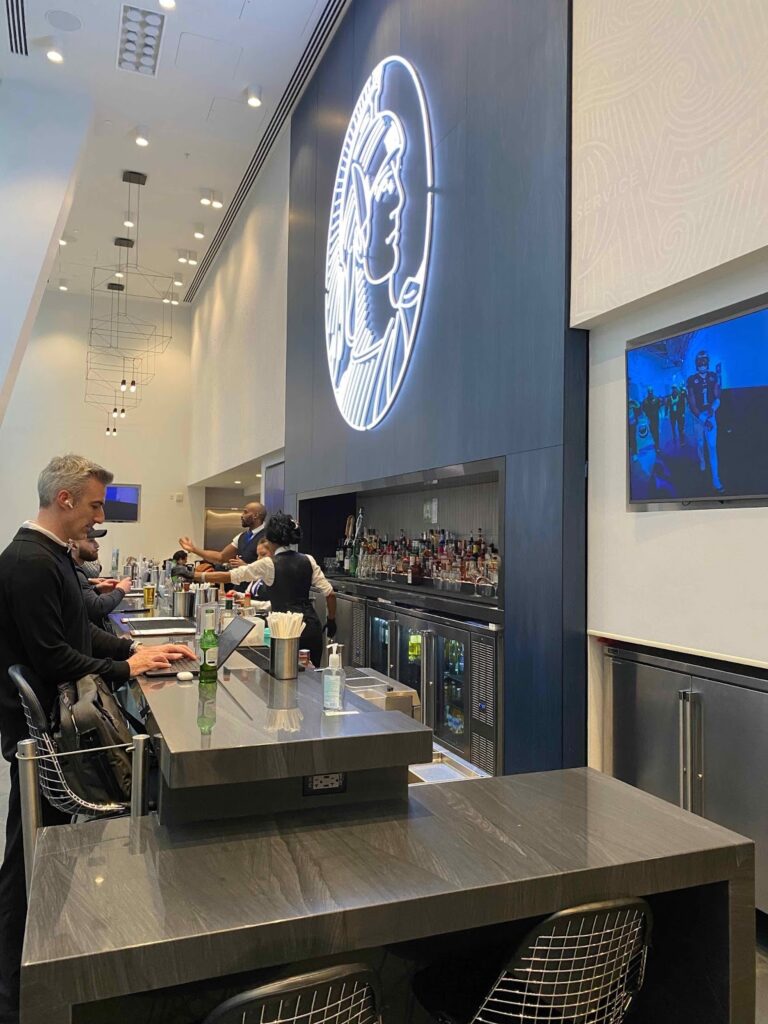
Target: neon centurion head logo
point(378, 243)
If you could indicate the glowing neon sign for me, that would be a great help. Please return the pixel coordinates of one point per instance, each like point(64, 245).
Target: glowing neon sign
point(379, 238)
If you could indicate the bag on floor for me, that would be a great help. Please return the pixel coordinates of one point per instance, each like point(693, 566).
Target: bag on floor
point(88, 715)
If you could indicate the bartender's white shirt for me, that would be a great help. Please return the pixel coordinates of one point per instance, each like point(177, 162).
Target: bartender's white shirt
point(264, 569)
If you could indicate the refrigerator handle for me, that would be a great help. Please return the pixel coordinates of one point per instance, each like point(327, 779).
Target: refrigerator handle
point(428, 676)
point(394, 649)
point(696, 753)
point(682, 747)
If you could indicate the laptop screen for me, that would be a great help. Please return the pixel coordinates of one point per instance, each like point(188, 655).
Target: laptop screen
point(231, 638)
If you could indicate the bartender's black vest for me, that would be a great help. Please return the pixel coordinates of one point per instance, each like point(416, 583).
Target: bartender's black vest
point(246, 549)
point(293, 579)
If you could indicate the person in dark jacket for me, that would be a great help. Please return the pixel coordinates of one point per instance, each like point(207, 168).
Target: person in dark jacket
point(180, 570)
point(103, 597)
point(44, 626)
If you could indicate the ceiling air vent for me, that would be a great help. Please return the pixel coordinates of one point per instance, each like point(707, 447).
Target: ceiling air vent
point(141, 33)
point(17, 27)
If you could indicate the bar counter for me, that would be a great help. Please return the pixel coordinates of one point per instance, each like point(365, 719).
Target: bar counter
point(124, 906)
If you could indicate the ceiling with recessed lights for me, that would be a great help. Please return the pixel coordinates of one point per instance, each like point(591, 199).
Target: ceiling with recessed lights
point(203, 61)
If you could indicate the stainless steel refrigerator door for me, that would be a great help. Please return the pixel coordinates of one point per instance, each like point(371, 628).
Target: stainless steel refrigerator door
point(220, 527)
point(649, 723)
point(734, 766)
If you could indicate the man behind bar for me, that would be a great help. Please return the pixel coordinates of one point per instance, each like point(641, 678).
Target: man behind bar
point(44, 626)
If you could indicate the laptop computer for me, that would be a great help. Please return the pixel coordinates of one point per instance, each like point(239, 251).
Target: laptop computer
point(176, 625)
point(229, 641)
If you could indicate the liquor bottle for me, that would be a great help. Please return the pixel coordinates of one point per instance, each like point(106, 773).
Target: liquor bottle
point(476, 543)
point(209, 648)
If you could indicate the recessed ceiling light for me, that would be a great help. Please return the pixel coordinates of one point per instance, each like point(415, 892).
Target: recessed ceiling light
point(62, 241)
point(141, 137)
point(119, 273)
point(54, 52)
point(167, 5)
point(128, 221)
point(258, 476)
point(166, 301)
point(238, 481)
point(253, 96)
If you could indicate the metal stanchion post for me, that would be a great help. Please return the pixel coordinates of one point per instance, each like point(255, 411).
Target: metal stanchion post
point(31, 813)
point(140, 775)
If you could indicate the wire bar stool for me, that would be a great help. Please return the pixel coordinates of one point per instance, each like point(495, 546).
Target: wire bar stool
point(348, 994)
point(584, 965)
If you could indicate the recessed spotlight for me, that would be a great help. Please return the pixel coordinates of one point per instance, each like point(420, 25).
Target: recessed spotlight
point(62, 241)
point(174, 300)
point(199, 232)
point(253, 97)
point(167, 5)
point(141, 137)
point(206, 197)
point(128, 221)
point(119, 273)
point(166, 300)
point(238, 481)
point(54, 52)
point(63, 286)
point(258, 476)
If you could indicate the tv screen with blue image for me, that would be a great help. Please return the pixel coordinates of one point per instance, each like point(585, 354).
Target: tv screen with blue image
point(122, 503)
point(697, 413)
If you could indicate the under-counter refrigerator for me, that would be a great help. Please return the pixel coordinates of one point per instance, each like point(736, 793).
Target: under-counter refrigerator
point(455, 666)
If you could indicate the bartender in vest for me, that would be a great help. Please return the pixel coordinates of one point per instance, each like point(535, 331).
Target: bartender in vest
point(242, 550)
point(288, 577)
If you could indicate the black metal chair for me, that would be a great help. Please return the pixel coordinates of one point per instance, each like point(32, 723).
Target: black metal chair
point(348, 994)
point(584, 965)
point(53, 783)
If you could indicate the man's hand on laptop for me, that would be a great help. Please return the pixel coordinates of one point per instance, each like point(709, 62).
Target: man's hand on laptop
point(162, 656)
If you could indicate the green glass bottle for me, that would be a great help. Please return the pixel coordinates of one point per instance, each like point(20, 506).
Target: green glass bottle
point(209, 648)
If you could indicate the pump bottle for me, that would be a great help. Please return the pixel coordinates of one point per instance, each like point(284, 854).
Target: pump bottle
point(334, 680)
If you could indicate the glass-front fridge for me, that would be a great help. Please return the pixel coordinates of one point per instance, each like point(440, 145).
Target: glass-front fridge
point(415, 660)
point(452, 688)
point(382, 640)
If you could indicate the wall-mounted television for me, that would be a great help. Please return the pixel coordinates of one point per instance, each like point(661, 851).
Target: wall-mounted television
point(123, 503)
point(697, 413)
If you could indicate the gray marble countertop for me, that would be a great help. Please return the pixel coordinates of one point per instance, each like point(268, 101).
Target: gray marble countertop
point(268, 729)
point(123, 905)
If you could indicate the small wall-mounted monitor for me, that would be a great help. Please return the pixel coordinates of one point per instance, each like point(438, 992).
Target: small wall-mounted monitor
point(697, 413)
point(122, 503)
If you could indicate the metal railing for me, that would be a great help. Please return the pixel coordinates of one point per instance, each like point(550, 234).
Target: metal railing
point(31, 799)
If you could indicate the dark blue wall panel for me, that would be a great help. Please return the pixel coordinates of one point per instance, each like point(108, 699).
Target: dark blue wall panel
point(495, 371)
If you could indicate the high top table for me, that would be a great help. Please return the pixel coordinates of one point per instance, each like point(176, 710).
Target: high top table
point(127, 905)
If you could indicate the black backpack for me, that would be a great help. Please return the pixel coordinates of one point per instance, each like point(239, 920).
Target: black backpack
point(88, 715)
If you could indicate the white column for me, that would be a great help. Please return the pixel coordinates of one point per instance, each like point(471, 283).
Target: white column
point(43, 135)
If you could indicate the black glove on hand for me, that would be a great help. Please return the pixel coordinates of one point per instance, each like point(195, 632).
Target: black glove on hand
point(330, 628)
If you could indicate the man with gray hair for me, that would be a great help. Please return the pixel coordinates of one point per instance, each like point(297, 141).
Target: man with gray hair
point(45, 627)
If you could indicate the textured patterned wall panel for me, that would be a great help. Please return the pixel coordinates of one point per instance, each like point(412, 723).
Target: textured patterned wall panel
point(462, 510)
point(670, 144)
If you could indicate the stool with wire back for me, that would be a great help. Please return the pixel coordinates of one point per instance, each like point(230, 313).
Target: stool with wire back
point(583, 965)
point(347, 994)
point(40, 771)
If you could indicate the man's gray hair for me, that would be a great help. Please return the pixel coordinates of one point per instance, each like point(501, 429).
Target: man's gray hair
point(69, 473)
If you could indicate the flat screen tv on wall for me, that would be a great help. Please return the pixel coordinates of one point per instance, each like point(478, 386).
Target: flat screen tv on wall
point(122, 503)
point(697, 413)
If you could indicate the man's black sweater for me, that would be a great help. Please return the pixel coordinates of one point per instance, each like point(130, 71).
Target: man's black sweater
point(44, 625)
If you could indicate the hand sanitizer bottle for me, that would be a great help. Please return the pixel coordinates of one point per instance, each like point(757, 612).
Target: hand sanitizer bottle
point(334, 681)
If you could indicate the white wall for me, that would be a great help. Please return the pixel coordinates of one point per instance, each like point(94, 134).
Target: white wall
point(42, 135)
point(47, 416)
point(239, 333)
point(670, 134)
point(692, 579)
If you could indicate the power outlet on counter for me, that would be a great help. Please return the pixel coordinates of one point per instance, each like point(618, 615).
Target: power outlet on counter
point(319, 785)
